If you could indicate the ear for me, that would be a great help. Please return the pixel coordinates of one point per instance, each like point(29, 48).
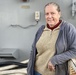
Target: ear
point(60, 14)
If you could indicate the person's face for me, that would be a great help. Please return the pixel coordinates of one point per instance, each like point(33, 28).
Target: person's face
point(52, 16)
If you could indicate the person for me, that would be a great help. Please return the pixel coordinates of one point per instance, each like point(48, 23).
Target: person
point(54, 44)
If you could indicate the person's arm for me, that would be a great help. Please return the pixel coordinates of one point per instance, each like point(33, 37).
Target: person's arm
point(71, 52)
point(30, 67)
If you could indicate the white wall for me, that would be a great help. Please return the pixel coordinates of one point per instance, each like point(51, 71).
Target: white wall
point(11, 12)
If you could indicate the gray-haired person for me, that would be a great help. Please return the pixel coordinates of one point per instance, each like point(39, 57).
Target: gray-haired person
point(53, 46)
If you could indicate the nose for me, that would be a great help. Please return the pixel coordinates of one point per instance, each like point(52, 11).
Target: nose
point(49, 15)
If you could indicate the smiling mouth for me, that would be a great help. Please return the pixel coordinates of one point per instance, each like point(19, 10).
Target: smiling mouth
point(50, 20)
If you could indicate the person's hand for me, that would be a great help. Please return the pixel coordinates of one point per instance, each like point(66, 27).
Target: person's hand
point(50, 66)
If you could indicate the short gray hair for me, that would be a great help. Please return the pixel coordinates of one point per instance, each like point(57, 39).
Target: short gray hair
point(55, 4)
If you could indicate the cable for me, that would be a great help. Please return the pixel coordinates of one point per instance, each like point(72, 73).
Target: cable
point(24, 27)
